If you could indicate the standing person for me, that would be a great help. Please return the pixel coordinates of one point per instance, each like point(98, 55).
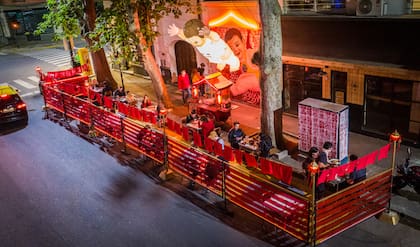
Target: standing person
point(207, 125)
point(196, 77)
point(184, 85)
point(235, 135)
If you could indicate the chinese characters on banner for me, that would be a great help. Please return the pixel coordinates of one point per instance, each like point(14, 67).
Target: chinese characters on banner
point(321, 121)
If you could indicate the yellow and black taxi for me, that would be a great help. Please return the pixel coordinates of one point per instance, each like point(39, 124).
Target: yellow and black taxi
point(12, 107)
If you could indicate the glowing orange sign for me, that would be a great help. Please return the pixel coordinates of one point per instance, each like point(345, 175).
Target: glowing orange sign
point(236, 18)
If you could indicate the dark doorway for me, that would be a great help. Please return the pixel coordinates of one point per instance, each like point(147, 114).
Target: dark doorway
point(387, 105)
point(339, 87)
point(185, 57)
point(300, 82)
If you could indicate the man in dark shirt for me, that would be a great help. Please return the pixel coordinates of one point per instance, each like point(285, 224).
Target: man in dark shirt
point(119, 92)
point(235, 135)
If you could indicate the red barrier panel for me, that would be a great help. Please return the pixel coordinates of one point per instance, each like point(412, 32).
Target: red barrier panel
point(77, 108)
point(53, 98)
point(134, 113)
point(95, 97)
point(278, 206)
point(144, 140)
point(106, 122)
point(228, 154)
point(196, 165)
point(171, 124)
point(108, 103)
point(197, 139)
point(350, 206)
point(208, 144)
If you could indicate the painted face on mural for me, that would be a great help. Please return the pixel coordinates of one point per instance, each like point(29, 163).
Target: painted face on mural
point(238, 48)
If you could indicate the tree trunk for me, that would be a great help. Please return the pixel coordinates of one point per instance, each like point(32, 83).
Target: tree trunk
point(99, 62)
point(271, 80)
point(151, 67)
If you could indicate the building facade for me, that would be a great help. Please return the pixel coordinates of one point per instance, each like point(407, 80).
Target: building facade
point(366, 61)
point(19, 17)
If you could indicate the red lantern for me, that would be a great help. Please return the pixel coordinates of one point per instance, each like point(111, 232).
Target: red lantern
point(313, 167)
point(395, 137)
point(195, 92)
point(219, 98)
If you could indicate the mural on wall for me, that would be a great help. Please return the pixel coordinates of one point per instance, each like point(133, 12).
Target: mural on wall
point(207, 42)
point(242, 35)
point(244, 44)
point(230, 46)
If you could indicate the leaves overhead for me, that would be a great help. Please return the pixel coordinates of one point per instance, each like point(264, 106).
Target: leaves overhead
point(115, 25)
point(64, 16)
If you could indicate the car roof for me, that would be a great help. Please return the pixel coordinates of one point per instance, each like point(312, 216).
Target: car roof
point(6, 89)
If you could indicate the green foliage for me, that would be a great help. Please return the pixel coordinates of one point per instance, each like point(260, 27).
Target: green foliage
point(115, 25)
point(64, 16)
point(113, 28)
point(150, 12)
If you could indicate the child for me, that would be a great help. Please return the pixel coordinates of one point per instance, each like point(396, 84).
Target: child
point(207, 42)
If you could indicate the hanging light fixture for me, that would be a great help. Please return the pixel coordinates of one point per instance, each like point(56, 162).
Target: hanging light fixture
point(195, 92)
point(219, 98)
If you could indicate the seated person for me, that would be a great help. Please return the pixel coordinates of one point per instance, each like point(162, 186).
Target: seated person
point(119, 92)
point(235, 135)
point(95, 86)
point(356, 175)
point(313, 156)
point(324, 154)
point(131, 98)
point(192, 116)
point(206, 125)
point(215, 136)
point(146, 101)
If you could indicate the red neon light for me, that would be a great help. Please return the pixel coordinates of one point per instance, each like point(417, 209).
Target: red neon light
point(236, 18)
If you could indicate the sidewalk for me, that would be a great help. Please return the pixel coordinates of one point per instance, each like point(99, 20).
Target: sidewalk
point(249, 117)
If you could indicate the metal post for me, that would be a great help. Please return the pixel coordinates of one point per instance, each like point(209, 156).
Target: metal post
point(313, 170)
point(164, 172)
point(124, 150)
point(395, 137)
point(73, 63)
point(64, 106)
point(122, 79)
point(224, 185)
point(388, 215)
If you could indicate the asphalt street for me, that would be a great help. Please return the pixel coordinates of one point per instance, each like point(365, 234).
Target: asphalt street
point(57, 189)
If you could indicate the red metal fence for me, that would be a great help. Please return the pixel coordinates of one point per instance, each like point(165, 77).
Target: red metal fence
point(351, 206)
point(218, 171)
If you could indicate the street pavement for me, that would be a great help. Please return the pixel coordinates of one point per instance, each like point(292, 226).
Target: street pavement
point(407, 203)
